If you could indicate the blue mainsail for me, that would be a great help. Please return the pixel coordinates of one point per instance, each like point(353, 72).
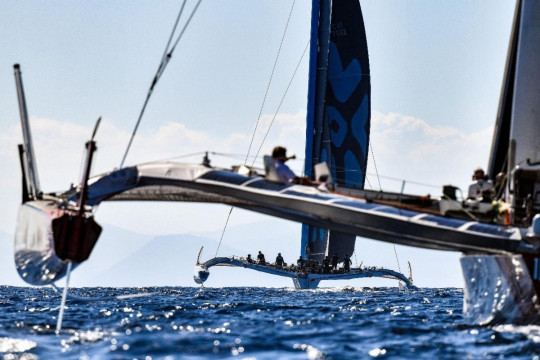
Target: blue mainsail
point(339, 108)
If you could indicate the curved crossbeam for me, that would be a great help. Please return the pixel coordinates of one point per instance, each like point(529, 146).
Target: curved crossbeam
point(168, 181)
point(302, 279)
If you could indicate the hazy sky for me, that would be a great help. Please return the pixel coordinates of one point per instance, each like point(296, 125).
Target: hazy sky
point(436, 73)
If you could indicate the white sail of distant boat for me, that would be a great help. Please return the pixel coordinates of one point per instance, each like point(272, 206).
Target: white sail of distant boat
point(501, 261)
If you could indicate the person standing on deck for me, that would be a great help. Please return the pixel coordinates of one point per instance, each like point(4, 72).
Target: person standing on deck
point(347, 263)
point(308, 250)
point(300, 263)
point(326, 265)
point(279, 260)
point(335, 260)
point(262, 260)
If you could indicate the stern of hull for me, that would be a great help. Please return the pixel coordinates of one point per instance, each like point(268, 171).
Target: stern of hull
point(304, 283)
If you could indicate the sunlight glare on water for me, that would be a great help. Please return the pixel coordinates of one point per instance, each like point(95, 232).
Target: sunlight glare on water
point(253, 323)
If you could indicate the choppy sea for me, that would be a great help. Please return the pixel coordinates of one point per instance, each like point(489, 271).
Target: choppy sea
point(252, 323)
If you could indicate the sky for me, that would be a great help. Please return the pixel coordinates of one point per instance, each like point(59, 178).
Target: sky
point(436, 74)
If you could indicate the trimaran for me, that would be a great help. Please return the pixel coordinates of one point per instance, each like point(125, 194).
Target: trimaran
point(501, 256)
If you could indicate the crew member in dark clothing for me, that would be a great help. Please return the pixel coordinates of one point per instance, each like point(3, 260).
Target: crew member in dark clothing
point(279, 260)
point(300, 263)
point(335, 260)
point(326, 265)
point(249, 259)
point(347, 263)
point(262, 260)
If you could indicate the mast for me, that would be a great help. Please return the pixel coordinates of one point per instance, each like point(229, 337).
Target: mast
point(30, 167)
point(318, 69)
point(314, 240)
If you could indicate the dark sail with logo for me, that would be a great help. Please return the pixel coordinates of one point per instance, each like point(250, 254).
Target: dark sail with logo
point(338, 115)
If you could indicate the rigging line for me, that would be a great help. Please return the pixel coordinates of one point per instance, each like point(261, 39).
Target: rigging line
point(231, 155)
point(168, 56)
point(162, 64)
point(136, 127)
point(259, 117)
point(224, 228)
point(461, 207)
point(397, 259)
point(369, 183)
point(505, 179)
point(161, 68)
point(185, 26)
point(281, 102)
point(408, 181)
point(380, 189)
point(375, 164)
point(269, 83)
point(181, 156)
point(342, 169)
point(172, 34)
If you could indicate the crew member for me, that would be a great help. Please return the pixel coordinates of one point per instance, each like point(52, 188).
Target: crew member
point(279, 260)
point(480, 185)
point(335, 260)
point(300, 263)
point(287, 175)
point(249, 259)
point(347, 263)
point(261, 259)
point(326, 265)
point(308, 250)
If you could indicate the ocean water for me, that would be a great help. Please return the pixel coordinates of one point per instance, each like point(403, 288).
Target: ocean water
point(252, 323)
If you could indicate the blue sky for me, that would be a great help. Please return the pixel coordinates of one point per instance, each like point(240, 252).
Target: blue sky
point(436, 73)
